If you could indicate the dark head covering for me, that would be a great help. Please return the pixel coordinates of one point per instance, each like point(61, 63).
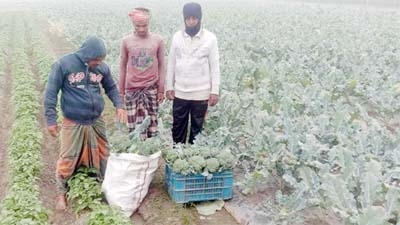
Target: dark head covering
point(92, 48)
point(192, 9)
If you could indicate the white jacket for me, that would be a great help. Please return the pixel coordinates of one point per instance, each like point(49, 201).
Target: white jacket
point(193, 66)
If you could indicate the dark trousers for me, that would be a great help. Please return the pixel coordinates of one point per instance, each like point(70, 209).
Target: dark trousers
point(182, 110)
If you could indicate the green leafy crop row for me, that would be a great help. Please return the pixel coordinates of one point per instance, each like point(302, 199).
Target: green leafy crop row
point(22, 204)
point(85, 194)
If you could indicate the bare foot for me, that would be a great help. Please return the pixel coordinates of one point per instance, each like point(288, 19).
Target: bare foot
point(61, 203)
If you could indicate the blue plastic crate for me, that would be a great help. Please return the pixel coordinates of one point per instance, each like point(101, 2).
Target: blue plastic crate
point(196, 187)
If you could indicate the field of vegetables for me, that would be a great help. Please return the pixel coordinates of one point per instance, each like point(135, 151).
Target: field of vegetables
point(310, 107)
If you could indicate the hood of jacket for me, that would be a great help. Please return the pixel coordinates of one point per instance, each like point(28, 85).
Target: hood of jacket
point(91, 49)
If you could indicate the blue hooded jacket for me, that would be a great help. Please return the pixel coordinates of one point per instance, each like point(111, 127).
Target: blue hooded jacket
point(81, 97)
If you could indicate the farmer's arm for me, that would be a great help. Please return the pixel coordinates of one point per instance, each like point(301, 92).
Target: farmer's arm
point(53, 86)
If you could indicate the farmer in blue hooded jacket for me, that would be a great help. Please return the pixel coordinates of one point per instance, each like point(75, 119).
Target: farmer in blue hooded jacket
point(79, 76)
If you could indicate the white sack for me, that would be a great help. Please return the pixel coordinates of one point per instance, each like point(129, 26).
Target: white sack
point(127, 179)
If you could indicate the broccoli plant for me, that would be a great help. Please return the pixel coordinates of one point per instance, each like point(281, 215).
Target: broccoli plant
point(119, 141)
point(135, 142)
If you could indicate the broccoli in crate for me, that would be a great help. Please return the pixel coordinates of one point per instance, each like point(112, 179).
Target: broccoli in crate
point(198, 172)
point(198, 159)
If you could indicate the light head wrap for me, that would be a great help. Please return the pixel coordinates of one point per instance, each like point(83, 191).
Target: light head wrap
point(139, 15)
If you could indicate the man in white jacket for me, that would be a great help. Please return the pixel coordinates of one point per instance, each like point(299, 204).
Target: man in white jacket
point(193, 74)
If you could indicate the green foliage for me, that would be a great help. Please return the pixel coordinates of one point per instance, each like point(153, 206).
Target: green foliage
point(22, 204)
point(104, 215)
point(226, 159)
point(85, 194)
point(316, 110)
point(119, 141)
point(21, 207)
point(122, 142)
point(147, 147)
point(84, 191)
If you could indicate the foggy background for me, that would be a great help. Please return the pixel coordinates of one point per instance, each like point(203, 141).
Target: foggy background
point(381, 3)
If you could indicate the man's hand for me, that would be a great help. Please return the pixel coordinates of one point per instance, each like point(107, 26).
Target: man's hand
point(160, 97)
point(54, 130)
point(213, 100)
point(121, 116)
point(122, 98)
point(170, 95)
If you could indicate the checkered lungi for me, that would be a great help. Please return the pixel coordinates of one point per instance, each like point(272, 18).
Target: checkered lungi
point(81, 145)
point(139, 104)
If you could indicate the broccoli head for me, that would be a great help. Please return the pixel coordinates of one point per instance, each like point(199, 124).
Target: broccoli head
point(181, 166)
point(212, 165)
point(198, 163)
point(226, 159)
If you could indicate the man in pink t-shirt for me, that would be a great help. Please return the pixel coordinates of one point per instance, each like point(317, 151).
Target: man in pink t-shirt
point(142, 72)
